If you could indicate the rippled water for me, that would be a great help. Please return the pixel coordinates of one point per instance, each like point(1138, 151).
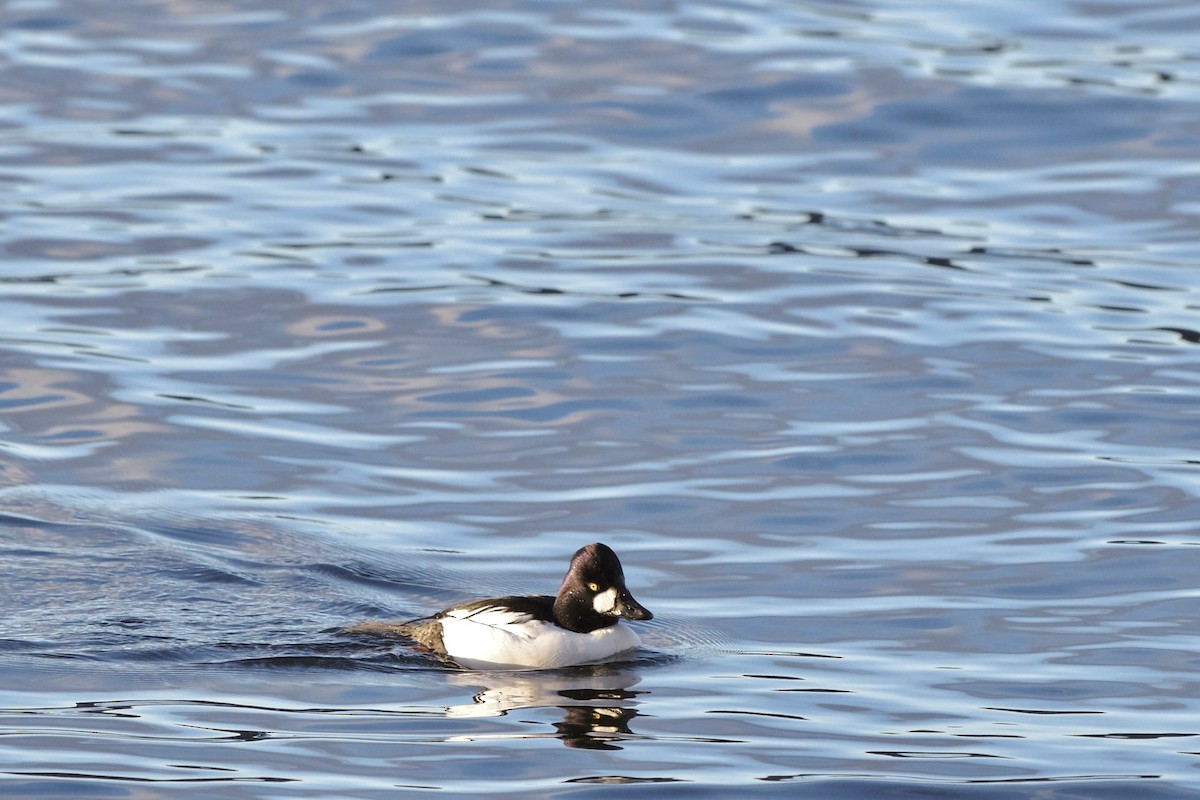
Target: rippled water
point(865, 333)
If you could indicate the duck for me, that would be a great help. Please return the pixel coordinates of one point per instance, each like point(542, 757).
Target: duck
point(578, 625)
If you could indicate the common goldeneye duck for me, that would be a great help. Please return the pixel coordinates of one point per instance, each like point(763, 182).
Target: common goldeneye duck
point(579, 625)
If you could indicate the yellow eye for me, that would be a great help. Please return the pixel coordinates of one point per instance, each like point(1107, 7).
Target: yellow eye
point(595, 587)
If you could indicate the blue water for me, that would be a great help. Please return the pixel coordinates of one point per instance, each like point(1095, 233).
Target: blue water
point(865, 333)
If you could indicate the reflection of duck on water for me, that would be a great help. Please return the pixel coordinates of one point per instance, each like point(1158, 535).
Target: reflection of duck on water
point(579, 625)
point(597, 704)
point(593, 728)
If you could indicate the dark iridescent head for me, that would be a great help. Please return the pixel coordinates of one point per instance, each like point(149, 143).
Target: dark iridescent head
point(593, 594)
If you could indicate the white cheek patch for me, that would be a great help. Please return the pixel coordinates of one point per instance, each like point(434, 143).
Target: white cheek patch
point(605, 602)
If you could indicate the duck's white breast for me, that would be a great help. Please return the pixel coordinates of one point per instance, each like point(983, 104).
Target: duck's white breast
point(498, 637)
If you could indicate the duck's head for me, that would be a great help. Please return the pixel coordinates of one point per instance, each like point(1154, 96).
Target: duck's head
point(593, 594)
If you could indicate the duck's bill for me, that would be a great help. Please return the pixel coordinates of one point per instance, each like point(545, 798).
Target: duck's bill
point(629, 608)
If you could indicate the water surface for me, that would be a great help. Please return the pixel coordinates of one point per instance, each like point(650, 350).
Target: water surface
point(866, 334)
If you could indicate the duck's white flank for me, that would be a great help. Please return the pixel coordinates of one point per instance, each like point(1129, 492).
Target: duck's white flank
point(499, 637)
